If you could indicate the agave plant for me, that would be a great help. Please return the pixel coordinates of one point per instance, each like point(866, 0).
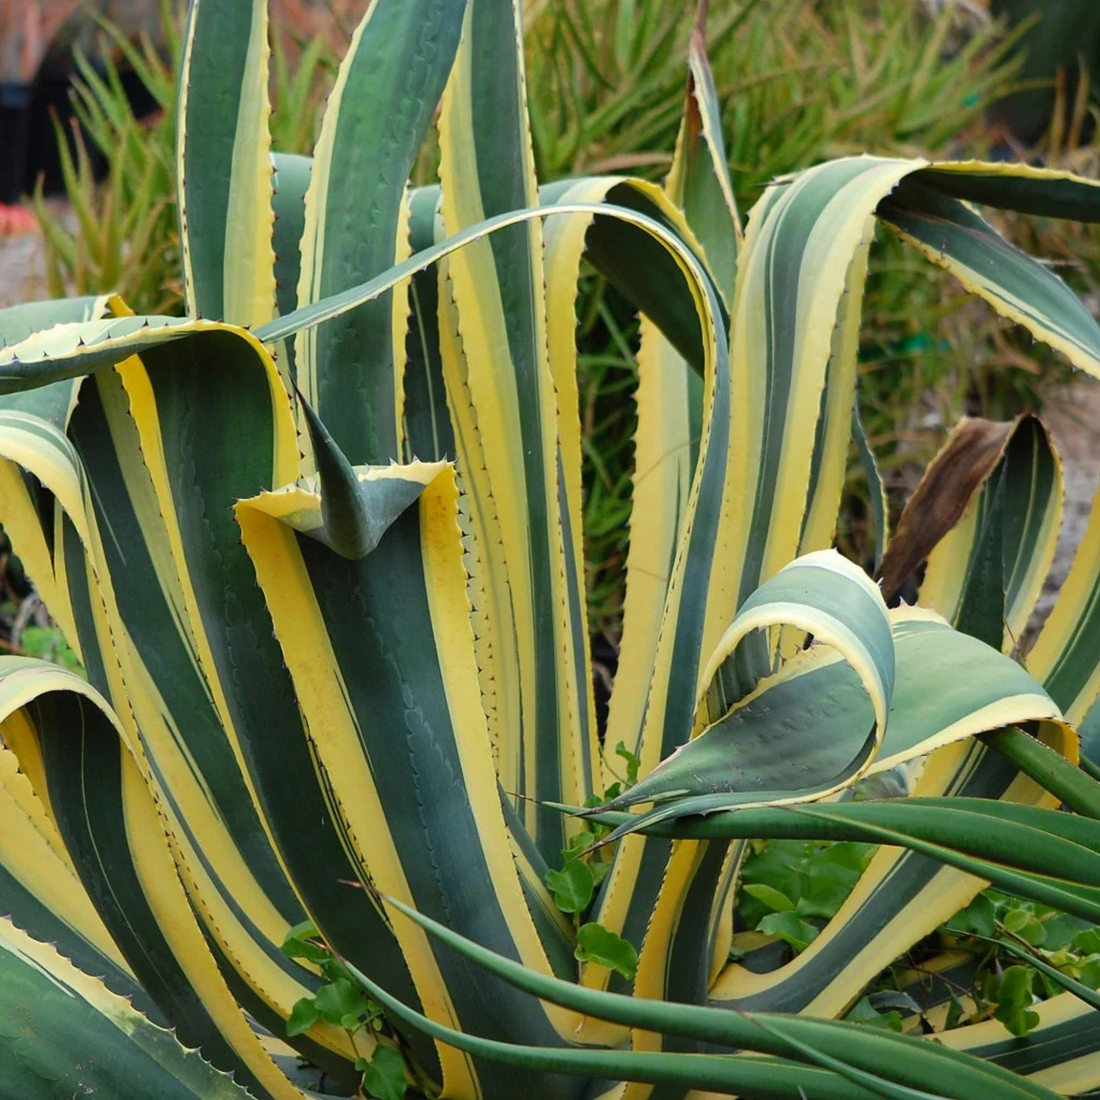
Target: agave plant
point(317, 545)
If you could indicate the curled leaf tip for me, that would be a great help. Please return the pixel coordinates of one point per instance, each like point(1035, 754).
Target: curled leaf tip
point(346, 526)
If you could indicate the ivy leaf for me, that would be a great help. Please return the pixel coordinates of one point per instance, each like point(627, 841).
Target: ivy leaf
point(774, 899)
point(578, 844)
point(572, 886)
point(1058, 929)
point(305, 930)
point(1065, 959)
point(339, 999)
point(1087, 942)
point(1018, 1021)
point(297, 945)
point(954, 1010)
point(789, 927)
point(1013, 996)
point(831, 874)
point(631, 763)
point(384, 1075)
point(826, 889)
point(1023, 923)
point(981, 914)
point(777, 863)
point(1090, 972)
point(375, 1013)
point(596, 944)
point(978, 917)
point(335, 970)
point(849, 854)
point(863, 1012)
point(303, 1016)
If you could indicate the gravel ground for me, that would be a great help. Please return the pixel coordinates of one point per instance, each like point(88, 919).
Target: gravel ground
point(22, 272)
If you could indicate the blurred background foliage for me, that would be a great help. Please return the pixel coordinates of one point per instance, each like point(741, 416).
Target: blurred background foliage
point(799, 83)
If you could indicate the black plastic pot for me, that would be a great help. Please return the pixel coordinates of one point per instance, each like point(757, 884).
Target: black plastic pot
point(15, 115)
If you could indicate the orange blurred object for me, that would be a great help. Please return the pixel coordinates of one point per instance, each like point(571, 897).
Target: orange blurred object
point(16, 221)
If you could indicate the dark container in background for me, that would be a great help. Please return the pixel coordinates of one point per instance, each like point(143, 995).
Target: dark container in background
point(15, 116)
